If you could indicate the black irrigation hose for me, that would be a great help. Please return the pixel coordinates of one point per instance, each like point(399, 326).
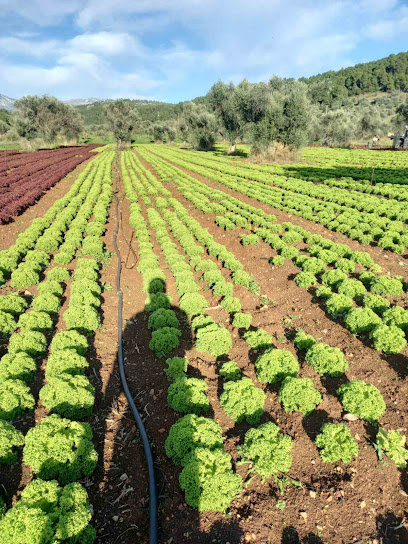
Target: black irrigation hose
point(125, 385)
point(129, 244)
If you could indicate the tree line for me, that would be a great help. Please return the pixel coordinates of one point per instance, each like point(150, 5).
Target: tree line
point(281, 112)
point(383, 75)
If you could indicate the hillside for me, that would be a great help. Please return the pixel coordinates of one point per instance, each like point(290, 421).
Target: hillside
point(148, 111)
point(381, 75)
point(6, 102)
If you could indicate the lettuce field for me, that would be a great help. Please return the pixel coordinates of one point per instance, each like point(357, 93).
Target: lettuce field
point(265, 323)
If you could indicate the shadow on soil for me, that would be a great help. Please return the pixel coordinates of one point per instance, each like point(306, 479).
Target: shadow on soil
point(121, 501)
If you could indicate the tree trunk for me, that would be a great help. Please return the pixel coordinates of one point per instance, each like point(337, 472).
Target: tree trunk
point(233, 148)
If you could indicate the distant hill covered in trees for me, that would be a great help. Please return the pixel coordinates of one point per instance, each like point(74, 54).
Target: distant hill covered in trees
point(384, 75)
point(148, 111)
point(329, 88)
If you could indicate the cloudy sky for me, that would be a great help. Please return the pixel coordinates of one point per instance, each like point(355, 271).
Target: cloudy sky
point(175, 50)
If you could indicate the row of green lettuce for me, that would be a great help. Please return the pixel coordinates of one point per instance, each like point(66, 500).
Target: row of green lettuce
point(241, 399)
point(59, 449)
point(283, 193)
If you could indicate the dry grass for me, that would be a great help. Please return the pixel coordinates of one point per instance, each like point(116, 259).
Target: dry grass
point(277, 153)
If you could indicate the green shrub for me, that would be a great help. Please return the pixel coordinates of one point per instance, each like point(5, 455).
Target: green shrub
point(396, 316)
point(189, 433)
point(208, 481)
point(267, 450)
point(177, 367)
point(333, 278)
point(231, 304)
point(35, 321)
point(313, 265)
point(87, 273)
point(156, 301)
point(58, 274)
point(22, 278)
point(324, 292)
point(384, 285)
point(274, 365)
point(66, 361)
point(13, 304)
point(305, 279)
point(214, 340)
point(388, 338)
point(352, 288)
point(250, 240)
point(7, 323)
point(60, 449)
point(212, 276)
point(223, 289)
point(47, 303)
point(338, 304)
point(230, 371)
point(188, 395)
point(164, 340)
point(367, 277)
point(242, 320)
point(376, 303)
point(362, 399)
point(240, 277)
point(360, 320)
point(363, 258)
point(326, 360)
point(258, 339)
point(163, 318)
point(15, 398)
point(193, 304)
point(336, 443)
point(201, 321)
point(52, 287)
point(86, 264)
point(64, 256)
point(304, 341)
point(82, 318)
point(71, 340)
point(278, 260)
point(299, 394)
point(392, 443)
point(17, 366)
point(48, 513)
point(84, 299)
point(242, 400)
point(93, 246)
point(83, 285)
point(288, 253)
point(32, 342)
point(345, 265)
point(68, 395)
point(10, 440)
point(292, 237)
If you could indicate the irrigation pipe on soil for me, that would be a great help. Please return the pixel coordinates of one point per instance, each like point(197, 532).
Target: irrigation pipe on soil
point(125, 385)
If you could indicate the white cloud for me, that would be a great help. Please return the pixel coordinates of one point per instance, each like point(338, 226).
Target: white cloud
point(106, 43)
point(123, 47)
point(388, 28)
point(41, 12)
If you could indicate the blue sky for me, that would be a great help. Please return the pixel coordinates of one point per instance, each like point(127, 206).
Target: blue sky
point(175, 50)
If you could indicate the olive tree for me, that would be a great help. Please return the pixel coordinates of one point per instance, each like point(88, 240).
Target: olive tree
point(46, 118)
point(223, 101)
point(122, 119)
point(200, 126)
